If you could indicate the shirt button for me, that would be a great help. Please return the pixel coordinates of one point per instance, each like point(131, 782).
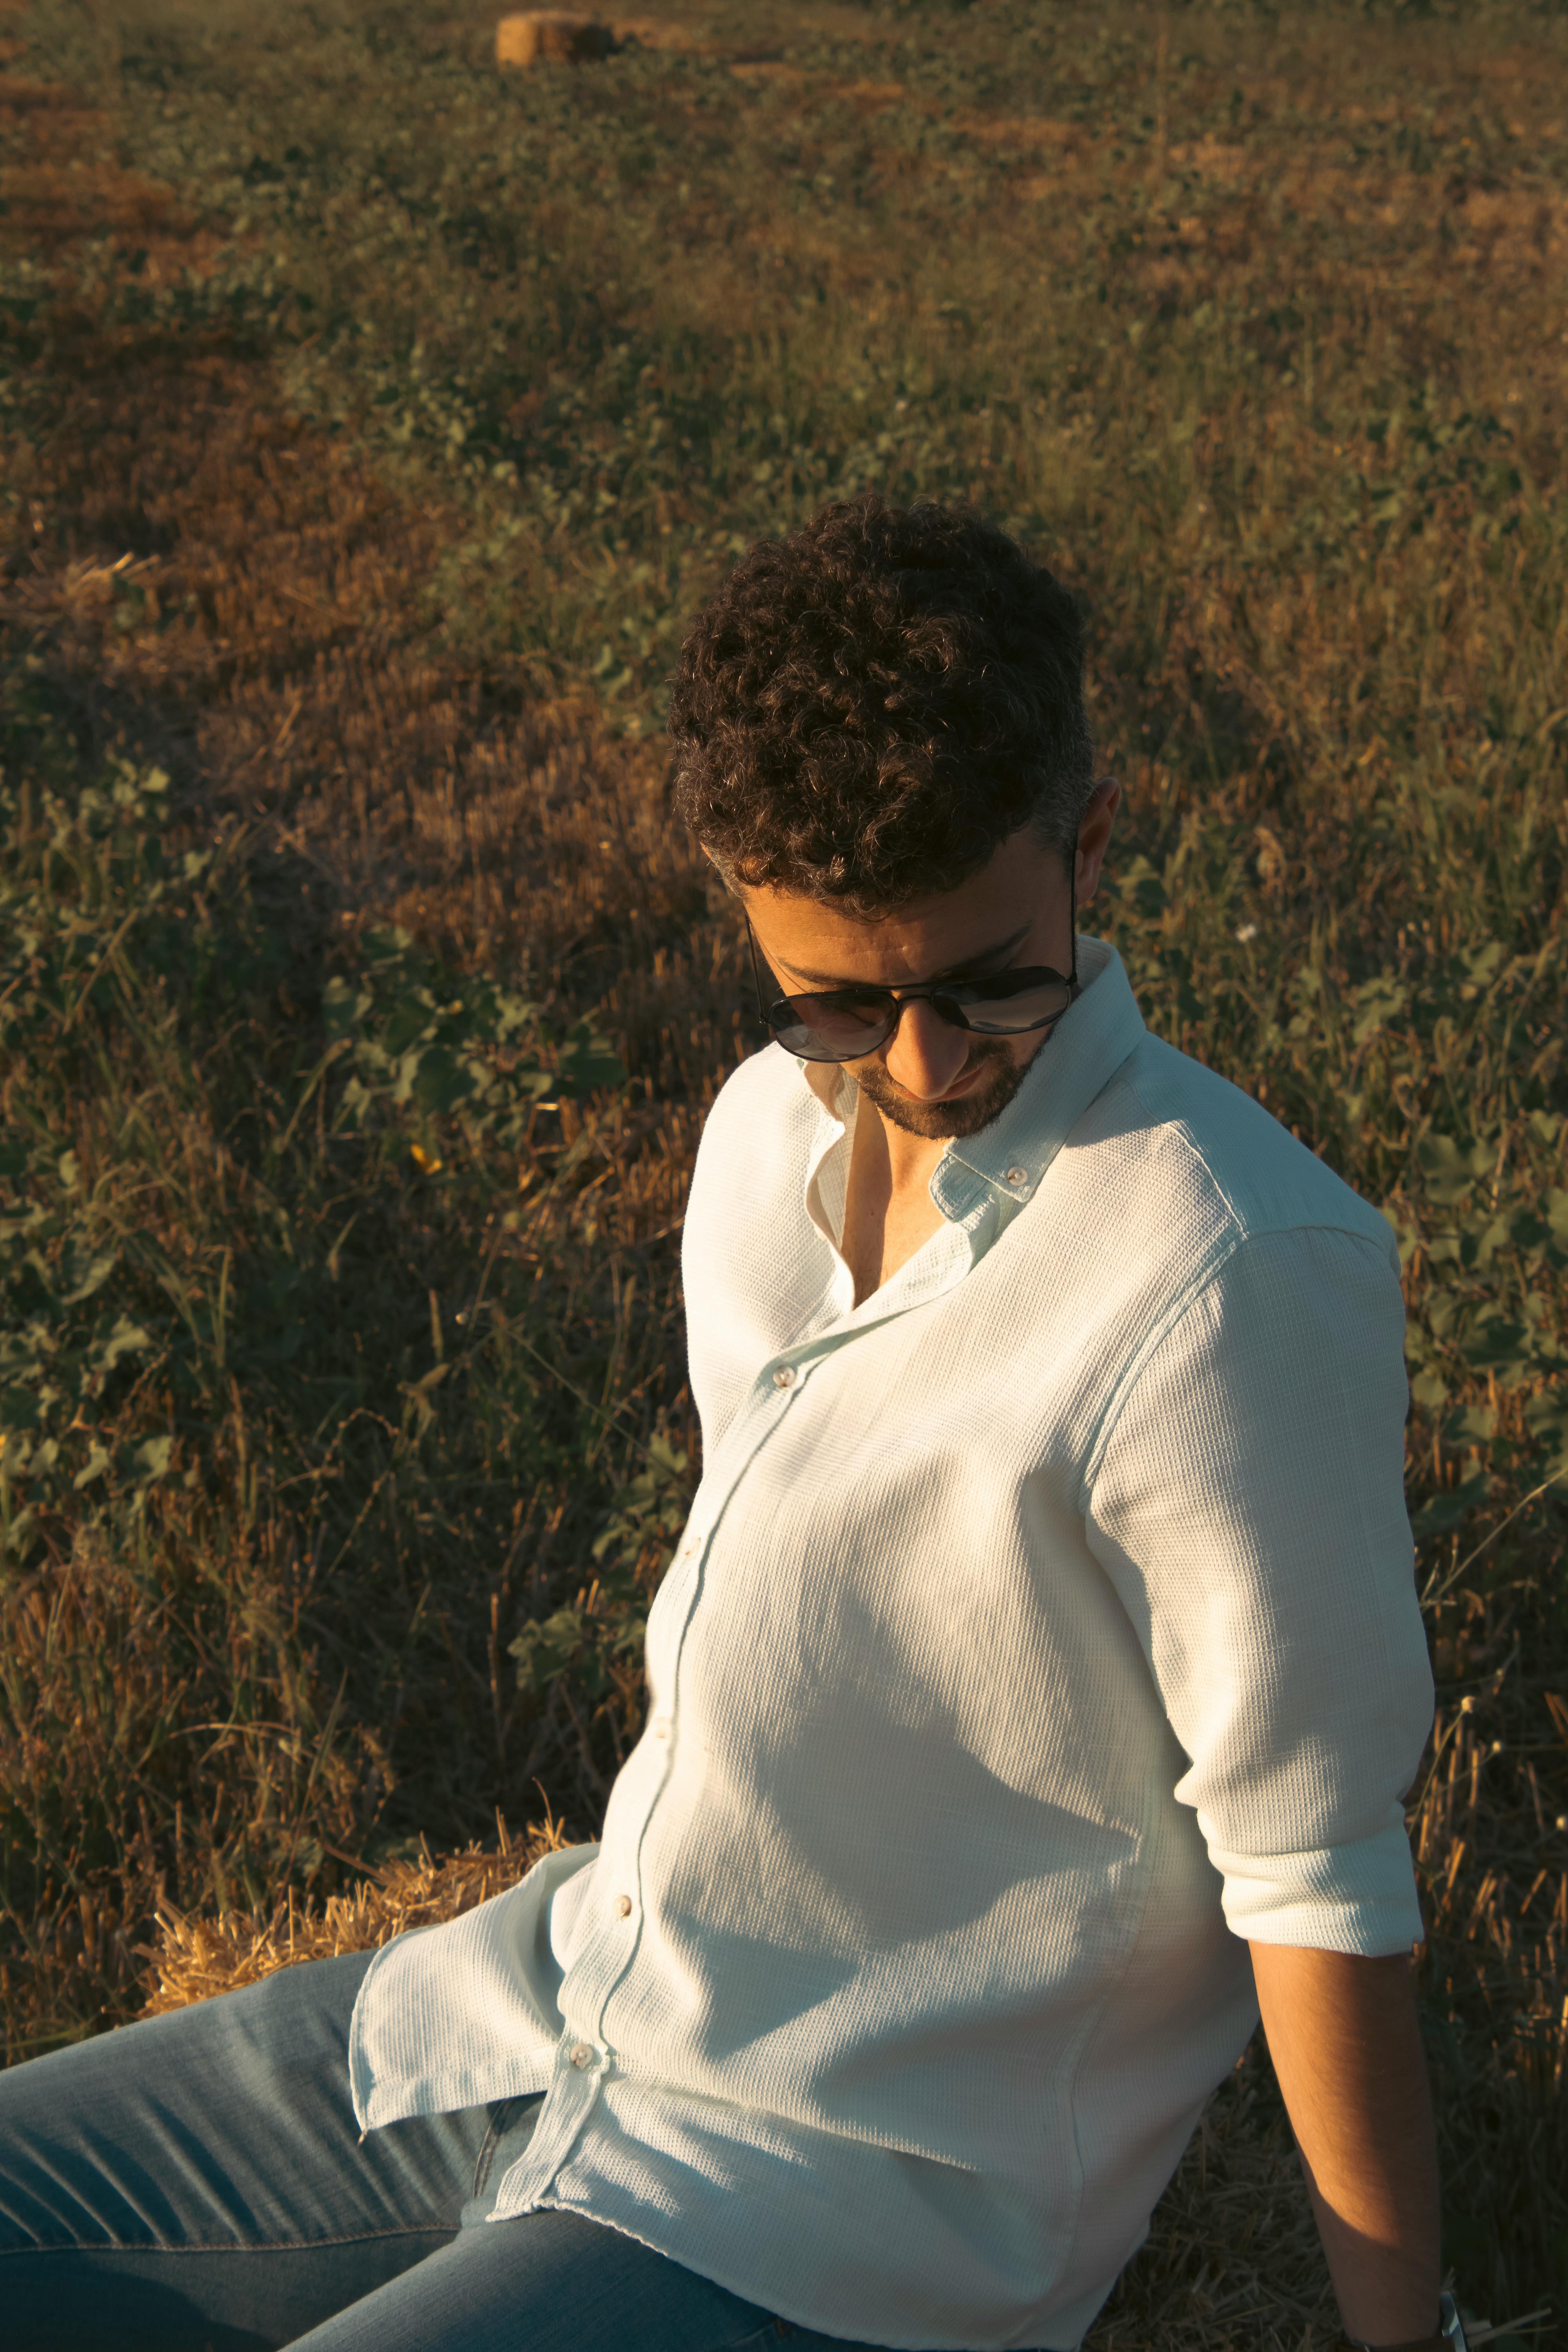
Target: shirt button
point(583, 2055)
point(1018, 1175)
point(784, 1377)
point(623, 1907)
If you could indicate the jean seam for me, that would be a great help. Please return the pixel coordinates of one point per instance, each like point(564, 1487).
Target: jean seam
point(500, 2116)
point(249, 2246)
point(502, 2122)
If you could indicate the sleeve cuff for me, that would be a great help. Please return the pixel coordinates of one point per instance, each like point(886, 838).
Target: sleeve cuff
point(1358, 1897)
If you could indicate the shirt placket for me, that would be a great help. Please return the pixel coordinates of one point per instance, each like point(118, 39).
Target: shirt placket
point(584, 2059)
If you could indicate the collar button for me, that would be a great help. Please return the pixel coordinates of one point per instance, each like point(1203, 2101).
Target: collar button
point(1017, 1176)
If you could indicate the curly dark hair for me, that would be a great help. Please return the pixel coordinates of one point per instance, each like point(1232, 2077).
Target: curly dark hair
point(868, 708)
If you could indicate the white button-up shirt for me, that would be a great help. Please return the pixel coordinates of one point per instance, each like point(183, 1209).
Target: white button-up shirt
point(1044, 1626)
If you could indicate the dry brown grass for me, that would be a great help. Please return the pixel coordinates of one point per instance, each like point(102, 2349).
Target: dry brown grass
point(195, 1959)
point(1335, 712)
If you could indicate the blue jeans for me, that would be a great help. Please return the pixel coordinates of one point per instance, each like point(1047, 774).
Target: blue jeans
point(197, 2183)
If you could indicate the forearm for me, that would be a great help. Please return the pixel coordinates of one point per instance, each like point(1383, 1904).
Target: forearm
point(1347, 2052)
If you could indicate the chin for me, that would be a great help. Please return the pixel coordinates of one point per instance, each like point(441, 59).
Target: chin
point(942, 1121)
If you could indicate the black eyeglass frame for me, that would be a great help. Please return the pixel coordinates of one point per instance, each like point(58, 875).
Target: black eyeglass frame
point(943, 995)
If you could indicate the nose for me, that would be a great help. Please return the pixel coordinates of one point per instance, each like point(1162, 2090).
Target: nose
point(927, 1053)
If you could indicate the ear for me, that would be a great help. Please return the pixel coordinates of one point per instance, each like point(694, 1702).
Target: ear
point(1094, 837)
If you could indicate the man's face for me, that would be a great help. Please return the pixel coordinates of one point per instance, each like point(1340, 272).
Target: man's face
point(931, 1079)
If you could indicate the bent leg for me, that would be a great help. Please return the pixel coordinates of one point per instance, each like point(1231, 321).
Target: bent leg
point(198, 2179)
point(549, 2282)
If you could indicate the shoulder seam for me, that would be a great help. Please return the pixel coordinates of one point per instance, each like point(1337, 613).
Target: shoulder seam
point(1181, 1306)
point(1179, 1125)
point(1181, 1128)
point(1158, 1331)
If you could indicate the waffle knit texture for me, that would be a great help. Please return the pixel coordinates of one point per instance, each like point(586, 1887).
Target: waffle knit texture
point(1044, 1627)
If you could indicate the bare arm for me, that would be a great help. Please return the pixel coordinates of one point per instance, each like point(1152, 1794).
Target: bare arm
point(1344, 2038)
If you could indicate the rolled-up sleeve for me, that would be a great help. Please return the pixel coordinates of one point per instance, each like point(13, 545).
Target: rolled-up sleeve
point(1248, 1506)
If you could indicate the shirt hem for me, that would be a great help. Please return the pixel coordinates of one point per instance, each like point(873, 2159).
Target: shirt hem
point(798, 2315)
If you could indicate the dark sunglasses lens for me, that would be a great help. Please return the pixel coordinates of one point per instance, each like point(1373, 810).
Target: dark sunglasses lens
point(1029, 1008)
point(829, 1028)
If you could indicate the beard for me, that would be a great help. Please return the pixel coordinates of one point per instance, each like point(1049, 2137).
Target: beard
point(939, 1122)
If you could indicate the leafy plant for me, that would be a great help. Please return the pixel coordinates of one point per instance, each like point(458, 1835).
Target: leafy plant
point(597, 1640)
point(427, 1046)
point(92, 1306)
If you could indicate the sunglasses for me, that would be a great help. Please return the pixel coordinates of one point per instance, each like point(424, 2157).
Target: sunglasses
point(842, 1024)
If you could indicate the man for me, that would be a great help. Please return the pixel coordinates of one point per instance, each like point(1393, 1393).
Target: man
point(1031, 1698)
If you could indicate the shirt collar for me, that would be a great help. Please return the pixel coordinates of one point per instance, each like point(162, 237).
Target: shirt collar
point(1087, 1047)
point(1007, 1159)
point(834, 1087)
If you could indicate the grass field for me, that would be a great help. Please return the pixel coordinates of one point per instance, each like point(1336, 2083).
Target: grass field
point(370, 423)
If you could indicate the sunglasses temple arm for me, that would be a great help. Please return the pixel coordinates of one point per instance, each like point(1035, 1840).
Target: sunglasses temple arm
point(1073, 918)
point(756, 971)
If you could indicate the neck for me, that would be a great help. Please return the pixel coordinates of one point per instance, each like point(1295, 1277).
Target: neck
point(888, 1210)
point(913, 1159)
point(905, 1163)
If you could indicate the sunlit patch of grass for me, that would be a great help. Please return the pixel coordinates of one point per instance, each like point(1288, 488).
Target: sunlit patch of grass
point(371, 423)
